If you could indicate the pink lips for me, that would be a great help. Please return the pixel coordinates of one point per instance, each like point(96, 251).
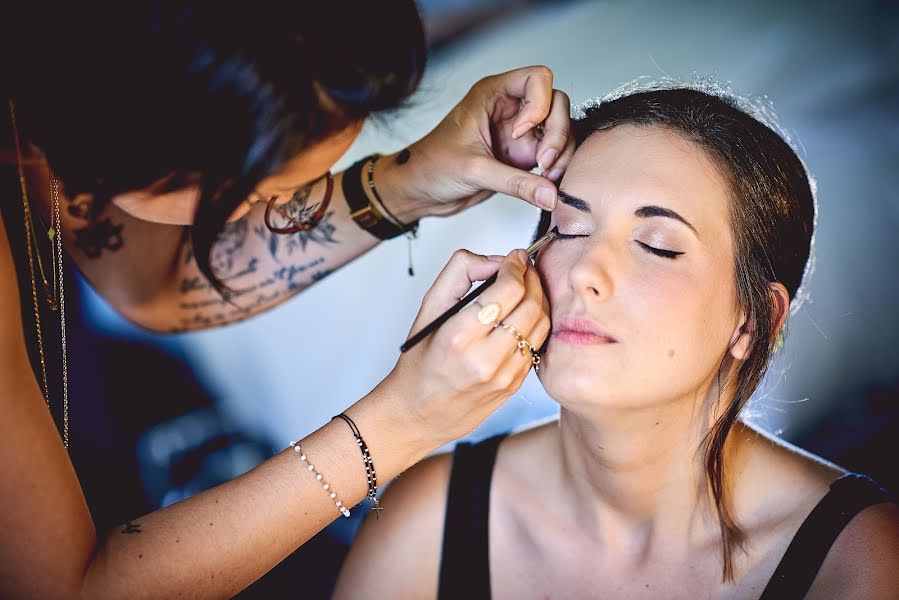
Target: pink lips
point(581, 332)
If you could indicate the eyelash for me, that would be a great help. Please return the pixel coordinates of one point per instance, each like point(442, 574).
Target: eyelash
point(669, 254)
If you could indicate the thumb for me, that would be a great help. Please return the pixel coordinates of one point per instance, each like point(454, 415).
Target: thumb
point(497, 176)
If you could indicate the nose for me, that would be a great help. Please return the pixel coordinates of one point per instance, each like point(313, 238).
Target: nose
point(591, 273)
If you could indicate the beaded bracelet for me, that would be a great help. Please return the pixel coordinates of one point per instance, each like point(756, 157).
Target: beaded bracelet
point(318, 476)
point(370, 475)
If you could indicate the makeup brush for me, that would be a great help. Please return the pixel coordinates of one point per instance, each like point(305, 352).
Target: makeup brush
point(531, 251)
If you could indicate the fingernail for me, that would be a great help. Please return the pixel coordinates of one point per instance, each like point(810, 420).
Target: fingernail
point(522, 256)
point(546, 198)
point(555, 174)
point(547, 158)
point(521, 130)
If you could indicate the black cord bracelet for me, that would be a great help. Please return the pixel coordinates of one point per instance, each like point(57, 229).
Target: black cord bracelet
point(412, 228)
point(370, 475)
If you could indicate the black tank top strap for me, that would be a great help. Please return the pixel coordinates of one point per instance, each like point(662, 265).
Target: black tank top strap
point(465, 562)
point(848, 496)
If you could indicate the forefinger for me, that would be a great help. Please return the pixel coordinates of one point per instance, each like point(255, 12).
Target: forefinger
point(533, 86)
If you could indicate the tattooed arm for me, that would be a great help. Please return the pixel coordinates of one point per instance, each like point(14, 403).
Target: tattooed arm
point(487, 143)
point(148, 273)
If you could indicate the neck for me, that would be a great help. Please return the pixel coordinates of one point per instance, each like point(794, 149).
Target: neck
point(638, 476)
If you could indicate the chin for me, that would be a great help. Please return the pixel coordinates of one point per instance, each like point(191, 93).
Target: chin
point(572, 383)
point(581, 379)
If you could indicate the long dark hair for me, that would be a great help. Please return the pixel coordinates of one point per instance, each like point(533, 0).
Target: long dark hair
point(121, 96)
point(772, 212)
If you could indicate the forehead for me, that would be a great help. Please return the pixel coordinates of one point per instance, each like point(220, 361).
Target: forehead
point(648, 165)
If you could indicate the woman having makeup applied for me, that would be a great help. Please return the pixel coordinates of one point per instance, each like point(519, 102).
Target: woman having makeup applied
point(179, 153)
point(686, 226)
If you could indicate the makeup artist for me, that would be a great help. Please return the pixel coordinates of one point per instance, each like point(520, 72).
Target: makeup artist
point(179, 155)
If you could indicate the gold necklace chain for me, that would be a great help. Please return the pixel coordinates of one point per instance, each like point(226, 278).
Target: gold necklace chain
point(55, 235)
point(57, 298)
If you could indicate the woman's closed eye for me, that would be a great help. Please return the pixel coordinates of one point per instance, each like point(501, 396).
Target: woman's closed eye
point(663, 252)
point(569, 236)
point(671, 254)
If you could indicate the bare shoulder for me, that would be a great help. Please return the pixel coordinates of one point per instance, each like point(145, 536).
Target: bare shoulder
point(789, 476)
point(398, 554)
point(863, 562)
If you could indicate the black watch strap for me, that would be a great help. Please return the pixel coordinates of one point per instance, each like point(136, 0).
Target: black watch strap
point(364, 212)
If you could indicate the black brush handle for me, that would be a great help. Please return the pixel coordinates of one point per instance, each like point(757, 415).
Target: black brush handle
point(465, 301)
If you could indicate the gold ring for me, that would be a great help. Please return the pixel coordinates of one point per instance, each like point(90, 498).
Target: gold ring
point(488, 314)
point(523, 345)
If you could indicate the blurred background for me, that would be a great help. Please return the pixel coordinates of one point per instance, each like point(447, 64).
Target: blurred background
point(205, 407)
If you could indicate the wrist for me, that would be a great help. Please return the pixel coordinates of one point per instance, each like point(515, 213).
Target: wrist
point(396, 440)
point(396, 183)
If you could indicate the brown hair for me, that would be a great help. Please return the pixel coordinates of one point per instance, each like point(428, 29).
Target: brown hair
point(772, 217)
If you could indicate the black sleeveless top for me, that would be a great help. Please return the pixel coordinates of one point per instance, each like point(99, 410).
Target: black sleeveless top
point(465, 563)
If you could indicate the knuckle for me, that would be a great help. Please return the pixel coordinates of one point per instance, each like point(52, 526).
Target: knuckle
point(561, 97)
point(561, 130)
point(532, 309)
point(506, 381)
point(517, 185)
point(456, 341)
point(473, 166)
point(480, 370)
point(544, 325)
point(510, 291)
point(483, 82)
point(461, 255)
point(542, 71)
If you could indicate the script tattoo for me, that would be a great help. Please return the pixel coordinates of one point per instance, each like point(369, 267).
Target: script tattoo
point(200, 283)
point(227, 245)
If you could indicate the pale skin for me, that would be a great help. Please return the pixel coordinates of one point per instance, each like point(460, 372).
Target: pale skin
point(611, 500)
point(218, 542)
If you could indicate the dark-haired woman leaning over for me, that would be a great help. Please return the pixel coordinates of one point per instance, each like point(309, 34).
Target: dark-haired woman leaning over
point(178, 153)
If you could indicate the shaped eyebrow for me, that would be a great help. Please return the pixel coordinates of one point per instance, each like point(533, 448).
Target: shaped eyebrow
point(574, 202)
point(645, 212)
point(660, 211)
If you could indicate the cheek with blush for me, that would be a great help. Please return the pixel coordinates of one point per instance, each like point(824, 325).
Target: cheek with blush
point(552, 263)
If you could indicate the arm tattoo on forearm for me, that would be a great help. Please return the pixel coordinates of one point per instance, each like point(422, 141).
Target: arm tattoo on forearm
point(227, 247)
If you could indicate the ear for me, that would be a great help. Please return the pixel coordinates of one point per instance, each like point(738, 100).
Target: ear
point(741, 340)
point(780, 300)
